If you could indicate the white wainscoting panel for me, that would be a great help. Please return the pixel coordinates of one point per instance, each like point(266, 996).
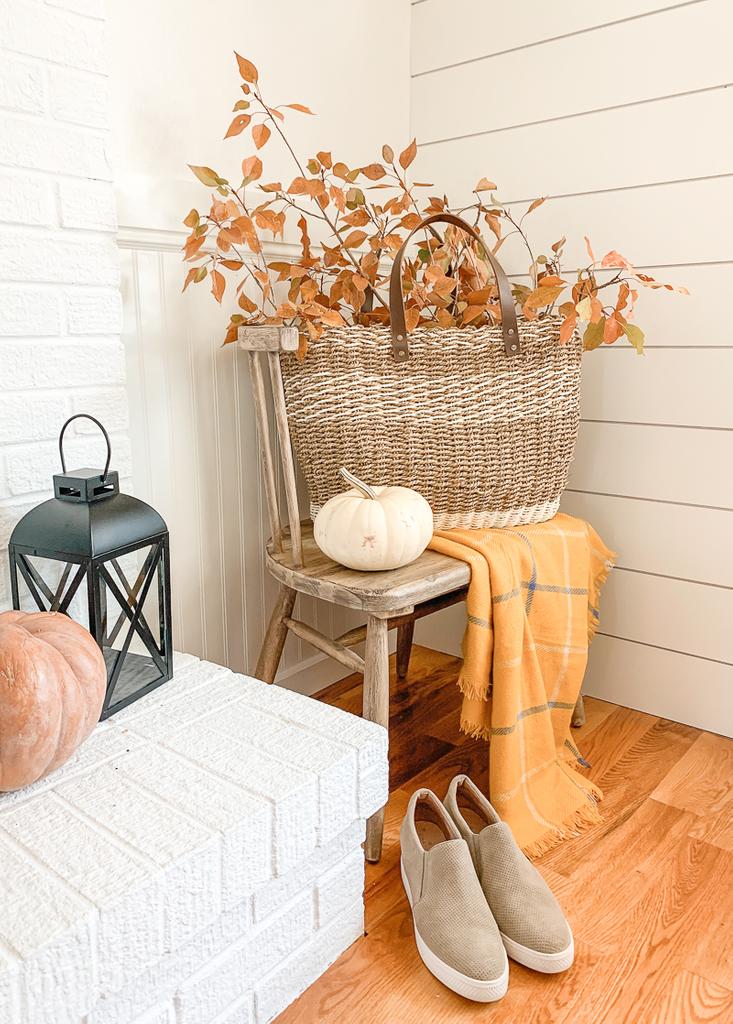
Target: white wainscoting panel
point(533, 99)
point(194, 450)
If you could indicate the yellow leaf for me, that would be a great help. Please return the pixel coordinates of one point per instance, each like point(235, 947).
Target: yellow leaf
point(246, 69)
point(593, 335)
point(635, 336)
point(206, 175)
point(387, 153)
point(192, 219)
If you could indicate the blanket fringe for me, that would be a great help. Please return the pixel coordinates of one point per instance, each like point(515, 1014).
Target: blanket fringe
point(600, 578)
point(472, 690)
point(585, 817)
point(475, 732)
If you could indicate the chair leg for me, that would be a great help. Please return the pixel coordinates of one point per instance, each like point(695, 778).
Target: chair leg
point(578, 716)
point(376, 709)
point(404, 648)
point(272, 646)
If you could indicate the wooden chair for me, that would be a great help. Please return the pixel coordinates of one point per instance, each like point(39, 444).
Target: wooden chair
point(389, 600)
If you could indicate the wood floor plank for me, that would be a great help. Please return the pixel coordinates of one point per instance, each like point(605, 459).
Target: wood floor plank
point(649, 891)
point(686, 998)
point(632, 856)
point(660, 937)
point(626, 784)
point(702, 782)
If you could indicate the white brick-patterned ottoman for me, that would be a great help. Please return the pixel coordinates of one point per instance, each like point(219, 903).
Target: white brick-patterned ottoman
point(197, 862)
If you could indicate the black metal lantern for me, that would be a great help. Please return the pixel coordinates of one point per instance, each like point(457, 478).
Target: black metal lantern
point(90, 533)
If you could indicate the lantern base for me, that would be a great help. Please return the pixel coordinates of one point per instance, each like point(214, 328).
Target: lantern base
point(138, 676)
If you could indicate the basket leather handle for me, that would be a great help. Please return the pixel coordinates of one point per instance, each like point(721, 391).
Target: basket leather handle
point(400, 348)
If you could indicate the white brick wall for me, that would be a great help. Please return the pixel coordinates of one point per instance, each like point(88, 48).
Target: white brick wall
point(60, 309)
point(198, 861)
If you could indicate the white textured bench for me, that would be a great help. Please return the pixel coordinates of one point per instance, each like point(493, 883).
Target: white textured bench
point(199, 860)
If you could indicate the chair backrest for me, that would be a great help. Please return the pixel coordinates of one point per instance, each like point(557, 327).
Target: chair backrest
point(264, 344)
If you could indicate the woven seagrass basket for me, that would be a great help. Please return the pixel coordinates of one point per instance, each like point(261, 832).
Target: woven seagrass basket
point(481, 421)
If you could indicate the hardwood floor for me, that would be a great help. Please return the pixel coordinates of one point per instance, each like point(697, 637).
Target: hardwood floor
point(649, 892)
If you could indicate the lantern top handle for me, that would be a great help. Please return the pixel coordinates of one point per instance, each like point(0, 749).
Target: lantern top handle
point(85, 416)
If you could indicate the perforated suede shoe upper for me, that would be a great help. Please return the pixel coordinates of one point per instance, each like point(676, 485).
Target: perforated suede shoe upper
point(521, 901)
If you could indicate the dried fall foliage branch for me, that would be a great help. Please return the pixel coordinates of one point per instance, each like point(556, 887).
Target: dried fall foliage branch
point(446, 282)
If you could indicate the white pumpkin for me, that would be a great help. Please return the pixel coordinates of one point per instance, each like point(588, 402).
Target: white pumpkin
point(374, 528)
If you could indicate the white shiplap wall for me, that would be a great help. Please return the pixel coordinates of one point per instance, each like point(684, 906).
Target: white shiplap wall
point(620, 115)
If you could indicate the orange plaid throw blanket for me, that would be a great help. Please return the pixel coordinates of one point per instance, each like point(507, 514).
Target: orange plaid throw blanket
point(532, 611)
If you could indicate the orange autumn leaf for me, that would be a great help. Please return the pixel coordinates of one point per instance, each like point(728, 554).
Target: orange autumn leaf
point(373, 171)
point(408, 154)
point(238, 125)
point(251, 168)
point(615, 259)
point(566, 328)
point(612, 331)
point(192, 276)
point(412, 315)
point(192, 246)
point(218, 284)
point(472, 313)
point(485, 185)
point(299, 107)
point(260, 134)
point(535, 203)
point(246, 69)
point(354, 239)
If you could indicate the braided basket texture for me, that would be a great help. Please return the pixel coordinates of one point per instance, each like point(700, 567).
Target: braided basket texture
point(485, 437)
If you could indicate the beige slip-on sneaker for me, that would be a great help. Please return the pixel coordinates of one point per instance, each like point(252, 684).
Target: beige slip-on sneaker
point(532, 925)
point(455, 932)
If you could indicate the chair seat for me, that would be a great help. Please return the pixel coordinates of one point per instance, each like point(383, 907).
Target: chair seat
point(395, 590)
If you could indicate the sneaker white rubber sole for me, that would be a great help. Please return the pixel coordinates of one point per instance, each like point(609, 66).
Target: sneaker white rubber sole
point(545, 963)
point(469, 988)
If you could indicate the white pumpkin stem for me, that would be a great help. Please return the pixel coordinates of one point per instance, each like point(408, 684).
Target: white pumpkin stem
point(365, 489)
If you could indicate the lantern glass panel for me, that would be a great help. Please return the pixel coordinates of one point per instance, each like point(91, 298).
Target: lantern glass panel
point(130, 617)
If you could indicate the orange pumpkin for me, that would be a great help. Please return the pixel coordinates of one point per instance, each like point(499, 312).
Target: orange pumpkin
point(52, 685)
